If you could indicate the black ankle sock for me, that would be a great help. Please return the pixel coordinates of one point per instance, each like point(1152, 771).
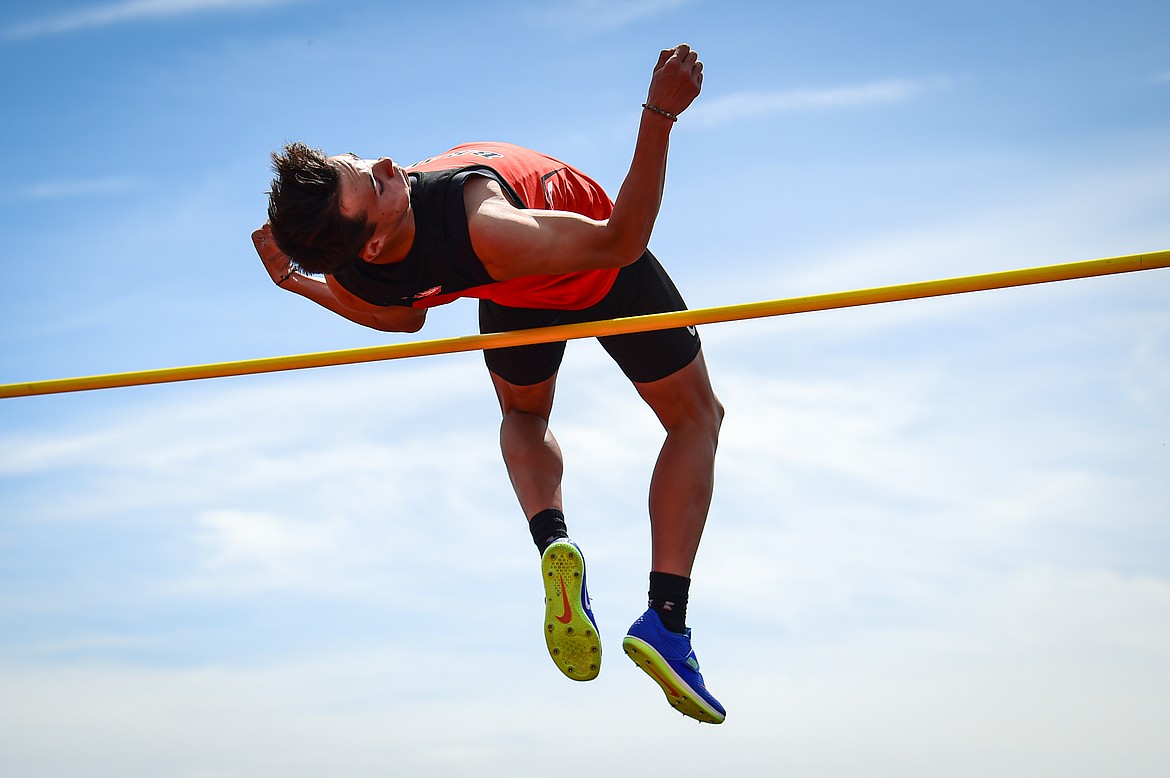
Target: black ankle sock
point(668, 596)
point(547, 526)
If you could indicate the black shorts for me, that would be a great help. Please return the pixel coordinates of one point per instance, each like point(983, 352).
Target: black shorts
point(640, 288)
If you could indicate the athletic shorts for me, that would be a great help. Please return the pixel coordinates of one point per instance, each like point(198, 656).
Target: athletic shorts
point(640, 288)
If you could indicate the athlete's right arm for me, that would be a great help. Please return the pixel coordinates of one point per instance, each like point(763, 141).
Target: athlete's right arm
point(512, 241)
point(331, 296)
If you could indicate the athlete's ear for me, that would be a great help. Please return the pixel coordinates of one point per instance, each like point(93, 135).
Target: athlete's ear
point(372, 249)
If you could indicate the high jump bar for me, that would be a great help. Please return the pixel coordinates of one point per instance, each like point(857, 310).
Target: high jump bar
point(976, 283)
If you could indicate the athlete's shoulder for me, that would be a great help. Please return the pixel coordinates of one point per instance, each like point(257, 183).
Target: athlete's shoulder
point(491, 153)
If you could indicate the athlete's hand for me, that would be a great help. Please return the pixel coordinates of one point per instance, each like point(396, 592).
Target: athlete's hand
point(677, 79)
point(276, 262)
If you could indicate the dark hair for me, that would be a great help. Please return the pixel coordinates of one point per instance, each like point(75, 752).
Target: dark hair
point(304, 212)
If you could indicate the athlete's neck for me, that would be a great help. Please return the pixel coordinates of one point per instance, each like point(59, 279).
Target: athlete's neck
point(397, 246)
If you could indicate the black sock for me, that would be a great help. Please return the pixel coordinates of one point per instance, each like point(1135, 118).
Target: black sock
point(547, 526)
point(668, 596)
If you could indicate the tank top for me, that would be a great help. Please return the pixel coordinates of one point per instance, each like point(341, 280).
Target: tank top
point(441, 265)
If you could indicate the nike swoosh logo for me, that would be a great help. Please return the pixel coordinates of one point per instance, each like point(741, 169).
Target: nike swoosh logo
point(566, 616)
point(666, 685)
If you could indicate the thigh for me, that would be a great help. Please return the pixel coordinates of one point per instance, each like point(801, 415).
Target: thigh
point(652, 355)
point(520, 365)
point(536, 399)
point(684, 396)
point(647, 357)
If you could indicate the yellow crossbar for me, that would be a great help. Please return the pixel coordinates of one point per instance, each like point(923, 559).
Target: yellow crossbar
point(977, 283)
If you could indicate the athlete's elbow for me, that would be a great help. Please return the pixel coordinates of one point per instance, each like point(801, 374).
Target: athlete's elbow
point(632, 256)
point(623, 250)
point(407, 320)
point(412, 324)
point(403, 328)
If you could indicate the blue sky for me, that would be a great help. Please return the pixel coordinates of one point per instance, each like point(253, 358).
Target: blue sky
point(939, 543)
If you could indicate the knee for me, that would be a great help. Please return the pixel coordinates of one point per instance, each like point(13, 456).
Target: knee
point(715, 415)
point(521, 402)
point(516, 423)
point(703, 418)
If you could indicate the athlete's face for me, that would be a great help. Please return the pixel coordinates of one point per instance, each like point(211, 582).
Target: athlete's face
point(377, 190)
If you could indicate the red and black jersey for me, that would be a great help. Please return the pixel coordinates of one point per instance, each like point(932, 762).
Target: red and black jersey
point(442, 266)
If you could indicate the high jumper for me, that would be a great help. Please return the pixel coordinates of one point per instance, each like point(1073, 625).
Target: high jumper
point(538, 243)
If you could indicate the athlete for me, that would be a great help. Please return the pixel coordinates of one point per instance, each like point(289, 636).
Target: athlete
point(538, 243)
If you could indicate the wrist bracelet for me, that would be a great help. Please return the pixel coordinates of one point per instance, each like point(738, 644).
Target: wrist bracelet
point(658, 110)
point(282, 280)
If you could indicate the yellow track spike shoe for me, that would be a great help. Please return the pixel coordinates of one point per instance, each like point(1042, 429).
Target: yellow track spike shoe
point(569, 628)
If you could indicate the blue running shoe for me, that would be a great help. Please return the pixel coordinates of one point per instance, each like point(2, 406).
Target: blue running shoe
point(569, 628)
point(668, 658)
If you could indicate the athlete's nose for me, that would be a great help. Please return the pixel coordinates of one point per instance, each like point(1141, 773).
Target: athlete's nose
point(384, 165)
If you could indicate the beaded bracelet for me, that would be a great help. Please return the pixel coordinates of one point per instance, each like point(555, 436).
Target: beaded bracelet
point(658, 110)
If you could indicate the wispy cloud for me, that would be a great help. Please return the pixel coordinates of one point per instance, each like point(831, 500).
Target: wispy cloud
point(69, 189)
point(605, 15)
point(128, 11)
point(750, 105)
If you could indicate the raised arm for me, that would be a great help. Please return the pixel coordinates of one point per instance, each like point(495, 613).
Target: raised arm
point(515, 242)
point(386, 319)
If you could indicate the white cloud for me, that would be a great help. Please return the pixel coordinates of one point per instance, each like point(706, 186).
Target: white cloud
point(274, 545)
point(967, 687)
point(129, 11)
point(70, 189)
point(751, 105)
point(603, 15)
point(1037, 667)
point(1083, 211)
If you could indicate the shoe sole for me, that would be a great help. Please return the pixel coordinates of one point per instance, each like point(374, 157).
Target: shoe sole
point(678, 692)
point(569, 633)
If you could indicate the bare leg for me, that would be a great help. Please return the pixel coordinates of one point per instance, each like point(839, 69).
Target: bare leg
point(530, 451)
point(684, 476)
point(535, 467)
point(680, 496)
